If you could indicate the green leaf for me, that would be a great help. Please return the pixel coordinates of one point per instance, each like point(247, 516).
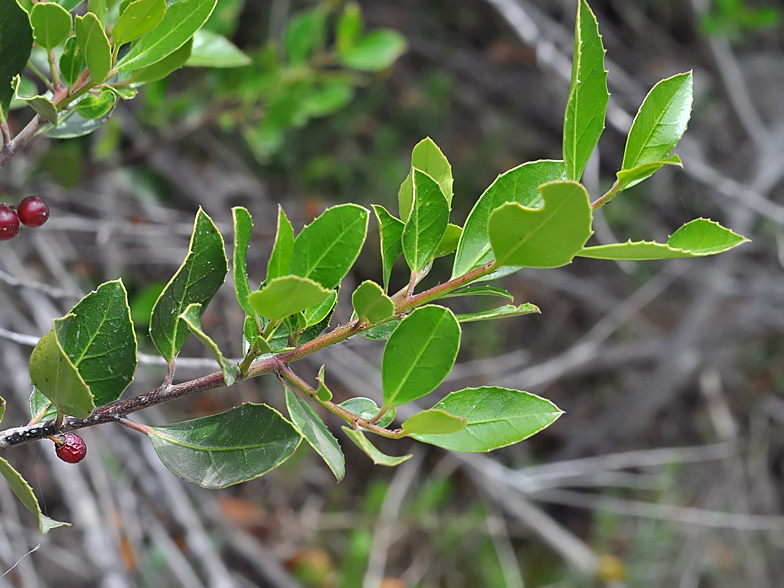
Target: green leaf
point(16, 43)
point(391, 234)
point(122, 92)
point(326, 249)
point(23, 491)
point(520, 185)
point(243, 225)
point(182, 19)
point(588, 95)
point(366, 409)
point(138, 19)
point(631, 177)
point(371, 451)
point(191, 316)
point(433, 422)
point(51, 24)
point(696, 238)
point(326, 98)
point(315, 432)
point(226, 448)
point(41, 104)
point(283, 249)
point(660, 122)
point(318, 312)
point(305, 34)
point(380, 332)
point(496, 417)
point(71, 125)
point(375, 51)
point(94, 44)
point(506, 311)
point(349, 26)
point(449, 241)
point(197, 281)
point(545, 237)
point(427, 158)
point(98, 8)
point(41, 408)
point(71, 61)
point(95, 106)
point(480, 291)
point(371, 304)
point(69, 5)
point(161, 69)
point(419, 354)
point(214, 50)
point(287, 295)
point(53, 373)
point(99, 339)
point(427, 223)
point(322, 392)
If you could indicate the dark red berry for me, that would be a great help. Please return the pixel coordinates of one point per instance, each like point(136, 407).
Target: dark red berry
point(33, 211)
point(9, 222)
point(72, 449)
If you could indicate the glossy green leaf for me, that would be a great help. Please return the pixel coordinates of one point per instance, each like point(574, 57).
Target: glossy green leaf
point(196, 282)
point(305, 34)
point(696, 238)
point(287, 295)
point(213, 50)
point(349, 26)
point(380, 332)
point(371, 304)
point(506, 311)
point(449, 241)
point(71, 125)
point(192, 316)
point(51, 24)
point(94, 44)
point(283, 249)
point(25, 494)
point(427, 223)
point(419, 354)
point(182, 19)
point(99, 339)
point(16, 43)
point(71, 61)
point(98, 8)
point(53, 373)
point(549, 236)
point(631, 177)
point(660, 122)
point(41, 408)
point(433, 422)
point(243, 225)
point(521, 185)
point(138, 19)
point(226, 448)
point(316, 433)
point(391, 234)
point(96, 105)
point(371, 451)
point(41, 104)
point(375, 51)
point(161, 69)
point(496, 417)
point(318, 312)
point(366, 409)
point(326, 249)
point(480, 291)
point(427, 158)
point(588, 95)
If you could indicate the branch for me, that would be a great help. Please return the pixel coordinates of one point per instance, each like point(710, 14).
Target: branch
point(22, 140)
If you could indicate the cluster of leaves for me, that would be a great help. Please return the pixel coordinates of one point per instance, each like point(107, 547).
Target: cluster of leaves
point(89, 62)
point(535, 215)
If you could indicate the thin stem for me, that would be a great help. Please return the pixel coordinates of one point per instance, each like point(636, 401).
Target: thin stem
point(55, 72)
point(26, 136)
point(436, 292)
point(616, 187)
point(143, 429)
point(44, 79)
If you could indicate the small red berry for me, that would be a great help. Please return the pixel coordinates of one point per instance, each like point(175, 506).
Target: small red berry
point(9, 222)
point(33, 211)
point(72, 449)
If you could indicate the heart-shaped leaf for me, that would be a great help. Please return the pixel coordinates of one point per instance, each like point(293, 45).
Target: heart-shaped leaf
point(371, 304)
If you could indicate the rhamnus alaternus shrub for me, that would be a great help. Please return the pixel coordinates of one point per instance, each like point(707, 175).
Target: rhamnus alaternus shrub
point(536, 215)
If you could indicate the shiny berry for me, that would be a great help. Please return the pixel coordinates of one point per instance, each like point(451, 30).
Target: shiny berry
point(72, 449)
point(33, 211)
point(9, 222)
